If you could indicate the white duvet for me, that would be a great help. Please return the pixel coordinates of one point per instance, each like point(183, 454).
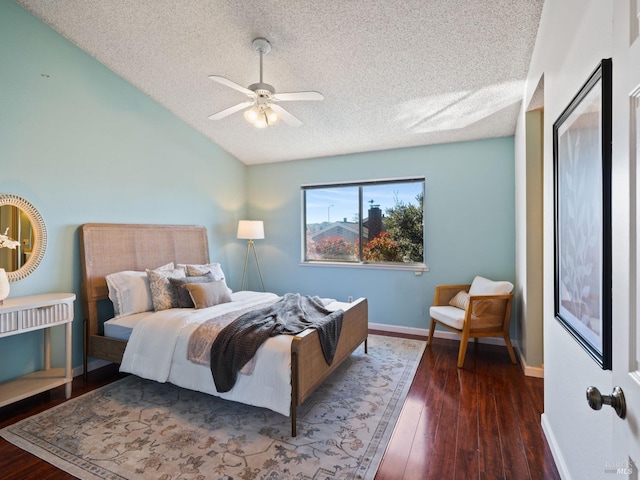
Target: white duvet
point(157, 350)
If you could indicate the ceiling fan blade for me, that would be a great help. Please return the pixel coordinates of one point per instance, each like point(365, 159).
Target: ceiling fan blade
point(228, 111)
point(294, 96)
point(287, 117)
point(234, 85)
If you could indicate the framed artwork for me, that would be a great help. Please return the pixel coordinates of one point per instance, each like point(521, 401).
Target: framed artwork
point(582, 201)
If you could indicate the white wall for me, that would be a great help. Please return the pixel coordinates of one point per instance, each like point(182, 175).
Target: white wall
point(574, 35)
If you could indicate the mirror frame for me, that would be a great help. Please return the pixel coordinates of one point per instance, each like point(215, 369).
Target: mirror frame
point(40, 235)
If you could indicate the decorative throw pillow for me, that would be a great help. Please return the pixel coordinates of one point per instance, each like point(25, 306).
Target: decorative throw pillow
point(180, 284)
point(197, 270)
point(209, 294)
point(129, 291)
point(164, 296)
point(461, 300)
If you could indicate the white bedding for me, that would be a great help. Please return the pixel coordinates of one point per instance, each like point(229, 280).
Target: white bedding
point(157, 350)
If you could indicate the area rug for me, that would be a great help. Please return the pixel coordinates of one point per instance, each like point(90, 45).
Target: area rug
point(139, 429)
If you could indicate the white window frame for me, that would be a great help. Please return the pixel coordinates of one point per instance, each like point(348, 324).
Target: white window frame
point(418, 267)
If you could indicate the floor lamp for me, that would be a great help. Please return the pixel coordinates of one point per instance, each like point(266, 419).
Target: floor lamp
point(251, 230)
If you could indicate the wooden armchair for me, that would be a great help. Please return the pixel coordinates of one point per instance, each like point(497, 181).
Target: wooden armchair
point(483, 309)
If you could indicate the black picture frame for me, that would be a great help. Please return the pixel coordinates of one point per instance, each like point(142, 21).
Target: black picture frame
point(582, 215)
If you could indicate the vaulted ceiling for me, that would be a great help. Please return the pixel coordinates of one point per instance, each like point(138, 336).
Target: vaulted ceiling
point(393, 73)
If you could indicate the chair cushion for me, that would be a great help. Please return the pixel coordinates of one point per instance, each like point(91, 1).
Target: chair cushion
point(451, 316)
point(484, 286)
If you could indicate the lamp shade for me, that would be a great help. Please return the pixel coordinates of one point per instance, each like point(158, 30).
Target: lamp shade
point(251, 229)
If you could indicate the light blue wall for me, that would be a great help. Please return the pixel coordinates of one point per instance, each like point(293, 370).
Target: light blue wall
point(469, 224)
point(83, 145)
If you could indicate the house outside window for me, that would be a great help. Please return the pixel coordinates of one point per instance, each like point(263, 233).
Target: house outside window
point(371, 222)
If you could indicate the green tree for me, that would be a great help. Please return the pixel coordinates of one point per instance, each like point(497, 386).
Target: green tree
point(404, 223)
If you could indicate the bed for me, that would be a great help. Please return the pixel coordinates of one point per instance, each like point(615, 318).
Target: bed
point(110, 248)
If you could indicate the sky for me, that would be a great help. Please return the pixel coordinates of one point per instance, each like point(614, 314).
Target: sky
point(337, 203)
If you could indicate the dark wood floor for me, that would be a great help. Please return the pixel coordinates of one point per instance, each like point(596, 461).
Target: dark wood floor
point(482, 421)
point(478, 422)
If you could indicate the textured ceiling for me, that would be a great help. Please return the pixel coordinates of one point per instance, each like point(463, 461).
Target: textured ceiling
point(393, 73)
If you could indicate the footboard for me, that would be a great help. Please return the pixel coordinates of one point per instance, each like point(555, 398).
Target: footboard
point(308, 366)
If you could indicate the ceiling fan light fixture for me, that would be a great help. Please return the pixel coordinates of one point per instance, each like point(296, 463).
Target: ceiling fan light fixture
point(252, 114)
point(272, 116)
point(261, 116)
point(263, 109)
point(261, 121)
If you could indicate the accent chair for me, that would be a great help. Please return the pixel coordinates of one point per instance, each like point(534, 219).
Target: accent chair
point(481, 309)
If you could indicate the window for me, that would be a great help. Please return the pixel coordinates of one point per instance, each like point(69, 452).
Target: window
point(367, 222)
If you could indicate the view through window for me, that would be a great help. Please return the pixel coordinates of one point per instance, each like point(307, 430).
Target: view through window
point(366, 222)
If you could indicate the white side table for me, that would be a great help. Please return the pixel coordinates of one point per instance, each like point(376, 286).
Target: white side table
point(36, 312)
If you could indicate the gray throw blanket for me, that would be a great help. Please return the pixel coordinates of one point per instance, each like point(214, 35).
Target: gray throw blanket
point(238, 342)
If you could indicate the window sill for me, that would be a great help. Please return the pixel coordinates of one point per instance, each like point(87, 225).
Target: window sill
point(418, 268)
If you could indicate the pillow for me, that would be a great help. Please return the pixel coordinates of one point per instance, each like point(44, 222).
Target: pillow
point(163, 295)
point(184, 298)
point(130, 292)
point(484, 286)
point(209, 294)
point(198, 270)
point(461, 300)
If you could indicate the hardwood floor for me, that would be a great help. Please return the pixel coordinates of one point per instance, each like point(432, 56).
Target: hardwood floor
point(482, 421)
point(478, 422)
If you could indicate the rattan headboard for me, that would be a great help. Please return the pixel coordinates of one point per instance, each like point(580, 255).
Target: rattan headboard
point(108, 248)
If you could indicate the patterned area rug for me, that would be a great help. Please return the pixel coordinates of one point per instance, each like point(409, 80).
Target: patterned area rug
point(138, 429)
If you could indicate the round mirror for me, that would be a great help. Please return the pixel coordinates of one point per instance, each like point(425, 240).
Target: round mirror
point(23, 237)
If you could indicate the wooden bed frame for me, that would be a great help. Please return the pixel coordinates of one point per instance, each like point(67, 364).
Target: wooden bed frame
point(109, 248)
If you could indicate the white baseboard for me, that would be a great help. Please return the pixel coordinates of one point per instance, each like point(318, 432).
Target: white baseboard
point(555, 449)
point(537, 372)
point(422, 332)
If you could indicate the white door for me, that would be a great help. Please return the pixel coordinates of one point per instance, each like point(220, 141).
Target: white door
point(626, 240)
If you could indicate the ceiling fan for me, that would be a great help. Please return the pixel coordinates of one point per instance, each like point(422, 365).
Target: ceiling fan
point(262, 107)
